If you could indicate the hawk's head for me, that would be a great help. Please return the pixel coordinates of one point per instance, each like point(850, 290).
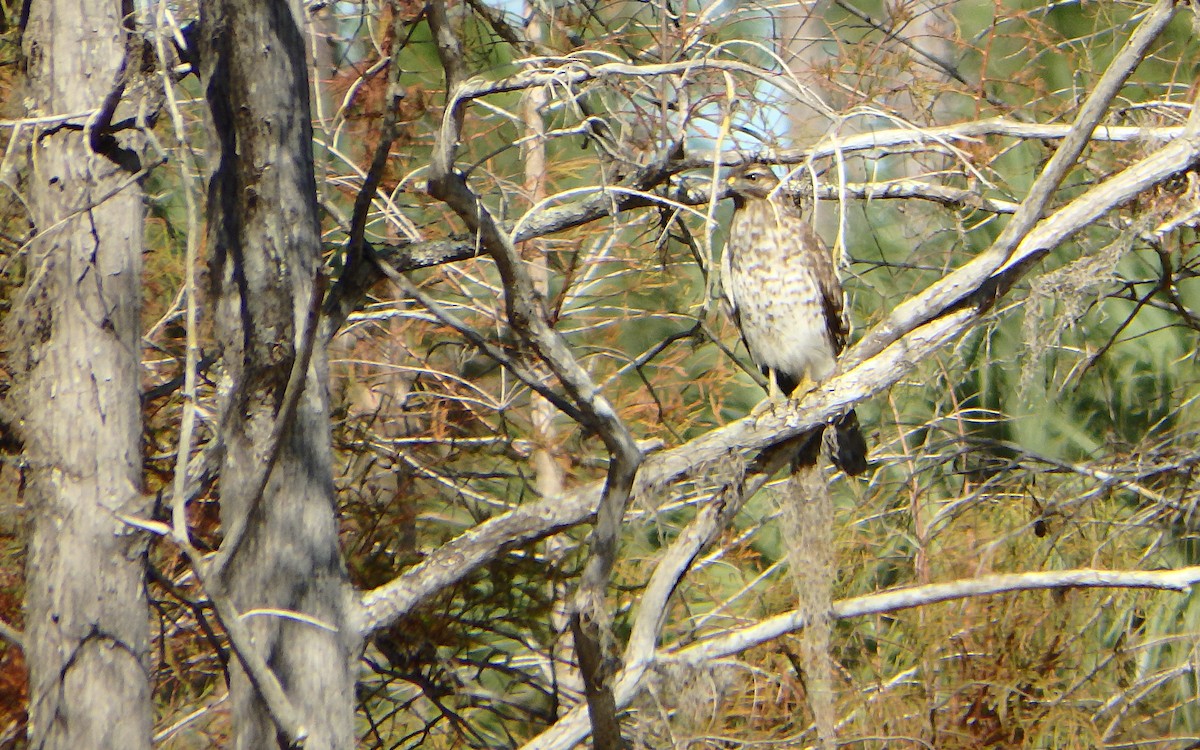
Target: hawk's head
point(753, 181)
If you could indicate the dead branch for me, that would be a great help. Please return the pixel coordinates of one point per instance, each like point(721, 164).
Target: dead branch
point(529, 319)
point(572, 728)
point(1181, 580)
point(868, 374)
point(952, 289)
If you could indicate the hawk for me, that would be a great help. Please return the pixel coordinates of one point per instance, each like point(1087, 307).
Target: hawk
point(783, 293)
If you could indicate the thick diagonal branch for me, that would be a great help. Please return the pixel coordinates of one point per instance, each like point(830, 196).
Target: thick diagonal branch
point(966, 280)
point(458, 558)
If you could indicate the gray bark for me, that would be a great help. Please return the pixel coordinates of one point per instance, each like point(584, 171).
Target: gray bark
point(264, 240)
point(76, 331)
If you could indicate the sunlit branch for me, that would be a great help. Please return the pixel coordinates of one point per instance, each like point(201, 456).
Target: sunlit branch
point(574, 70)
point(12, 635)
point(953, 289)
point(408, 256)
point(865, 376)
point(1181, 580)
point(573, 728)
point(528, 318)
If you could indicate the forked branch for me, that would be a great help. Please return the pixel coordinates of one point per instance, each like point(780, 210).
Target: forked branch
point(528, 318)
point(871, 374)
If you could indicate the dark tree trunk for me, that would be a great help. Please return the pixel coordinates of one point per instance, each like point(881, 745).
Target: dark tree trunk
point(264, 241)
point(77, 347)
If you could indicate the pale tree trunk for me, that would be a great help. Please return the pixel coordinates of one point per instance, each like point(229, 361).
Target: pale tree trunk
point(264, 245)
point(76, 338)
point(548, 474)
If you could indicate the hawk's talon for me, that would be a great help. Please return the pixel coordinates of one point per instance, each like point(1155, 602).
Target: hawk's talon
point(761, 409)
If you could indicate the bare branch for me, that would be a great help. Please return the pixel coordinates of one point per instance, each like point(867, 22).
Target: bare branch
point(528, 317)
point(192, 364)
point(954, 287)
point(480, 342)
point(1181, 580)
point(572, 728)
point(288, 720)
point(946, 196)
point(12, 635)
point(409, 256)
point(283, 713)
point(575, 70)
point(387, 136)
point(863, 377)
point(906, 137)
point(451, 55)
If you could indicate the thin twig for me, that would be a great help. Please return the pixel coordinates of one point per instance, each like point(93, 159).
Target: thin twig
point(479, 342)
point(387, 136)
point(572, 728)
point(191, 366)
point(384, 605)
point(527, 315)
point(12, 635)
point(1181, 580)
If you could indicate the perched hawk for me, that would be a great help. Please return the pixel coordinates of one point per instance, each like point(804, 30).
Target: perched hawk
point(784, 295)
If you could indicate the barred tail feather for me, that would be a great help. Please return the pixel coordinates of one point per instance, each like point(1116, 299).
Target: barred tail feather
point(847, 446)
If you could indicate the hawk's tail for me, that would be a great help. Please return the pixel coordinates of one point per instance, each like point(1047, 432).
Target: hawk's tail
point(843, 442)
point(846, 445)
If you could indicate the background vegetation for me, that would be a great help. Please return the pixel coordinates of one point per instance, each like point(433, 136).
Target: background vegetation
point(1059, 433)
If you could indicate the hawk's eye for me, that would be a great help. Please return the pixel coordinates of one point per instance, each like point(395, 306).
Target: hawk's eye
point(752, 176)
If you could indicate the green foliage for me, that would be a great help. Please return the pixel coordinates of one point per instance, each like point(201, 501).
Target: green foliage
point(1060, 434)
